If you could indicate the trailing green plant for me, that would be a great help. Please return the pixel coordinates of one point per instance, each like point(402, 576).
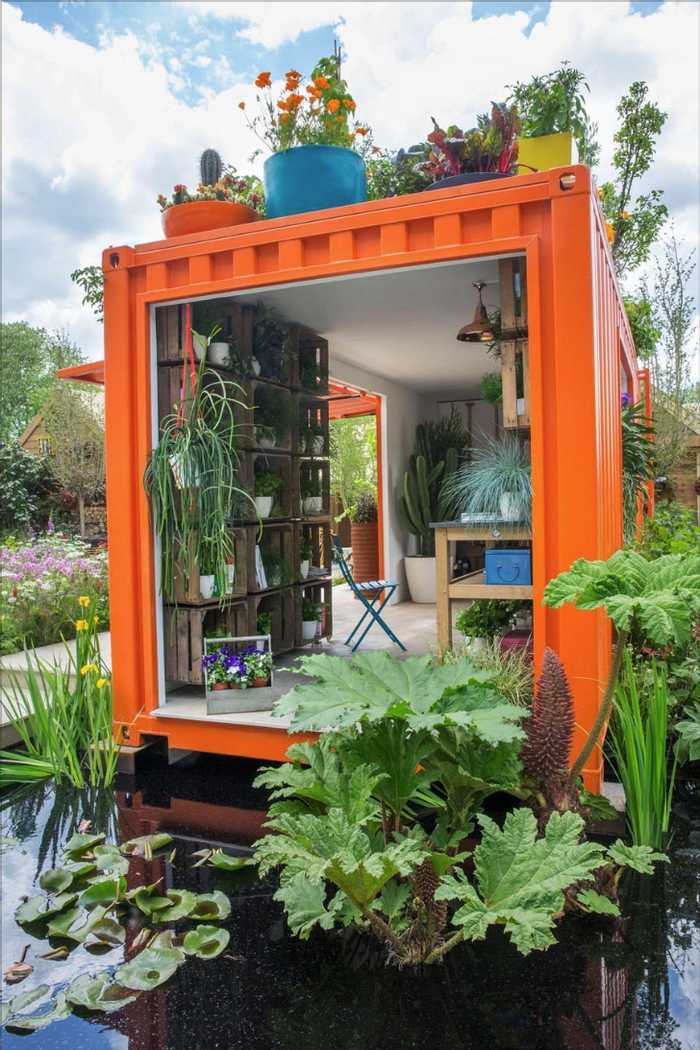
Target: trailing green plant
point(86, 907)
point(556, 102)
point(62, 714)
point(495, 480)
point(637, 461)
point(191, 479)
point(673, 529)
point(408, 739)
point(364, 511)
point(438, 447)
point(638, 737)
point(654, 601)
point(486, 617)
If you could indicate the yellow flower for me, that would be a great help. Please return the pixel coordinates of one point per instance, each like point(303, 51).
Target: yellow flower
point(81, 625)
point(95, 619)
point(84, 601)
point(101, 683)
point(87, 668)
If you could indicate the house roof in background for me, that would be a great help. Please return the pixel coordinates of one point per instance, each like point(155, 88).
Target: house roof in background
point(90, 372)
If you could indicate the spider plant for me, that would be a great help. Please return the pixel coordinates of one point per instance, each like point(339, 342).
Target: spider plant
point(496, 481)
point(191, 480)
point(640, 751)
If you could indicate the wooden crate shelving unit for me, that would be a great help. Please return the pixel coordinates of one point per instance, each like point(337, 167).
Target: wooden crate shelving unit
point(188, 592)
point(312, 429)
point(281, 605)
point(312, 473)
point(280, 401)
point(284, 505)
point(184, 631)
point(278, 542)
point(321, 591)
point(310, 362)
point(318, 535)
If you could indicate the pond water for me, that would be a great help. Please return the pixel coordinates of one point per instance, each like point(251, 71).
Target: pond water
point(630, 984)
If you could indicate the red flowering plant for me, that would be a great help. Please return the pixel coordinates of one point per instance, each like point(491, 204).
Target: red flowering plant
point(320, 112)
point(491, 146)
point(237, 189)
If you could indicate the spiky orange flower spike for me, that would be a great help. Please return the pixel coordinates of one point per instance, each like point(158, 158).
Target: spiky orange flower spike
point(550, 730)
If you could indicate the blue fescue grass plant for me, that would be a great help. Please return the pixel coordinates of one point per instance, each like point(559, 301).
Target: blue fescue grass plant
point(498, 476)
point(641, 749)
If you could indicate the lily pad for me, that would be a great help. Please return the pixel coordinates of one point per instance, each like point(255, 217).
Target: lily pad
point(108, 932)
point(56, 880)
point(181, 904)
point(74, 924)
point(99, 993)
point(146, 845)
point(80, 843)
point(150, 903)
point(16, 1015)
point(206, 942)
point(110, 860)
point(214, 906)
point(103, 891)
point(149, 969)
point(36, 909)
point(80, 869)
point(224, 862)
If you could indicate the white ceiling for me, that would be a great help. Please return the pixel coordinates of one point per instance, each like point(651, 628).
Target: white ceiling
point(400, 324)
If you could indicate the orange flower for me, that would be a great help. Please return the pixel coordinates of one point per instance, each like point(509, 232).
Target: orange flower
point(313, 91)
point(360, 131)
point(241, 105)
point(333, 105)
point(349, 103)
point(285, 118)
point(294, 101)
point(283, 104)
point(263, 80)
point(322, 83)
point(293, 74)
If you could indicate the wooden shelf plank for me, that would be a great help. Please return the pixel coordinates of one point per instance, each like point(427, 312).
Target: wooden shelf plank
point(473, 586)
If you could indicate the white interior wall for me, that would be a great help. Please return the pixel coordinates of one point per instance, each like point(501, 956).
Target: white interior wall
point(402, 410)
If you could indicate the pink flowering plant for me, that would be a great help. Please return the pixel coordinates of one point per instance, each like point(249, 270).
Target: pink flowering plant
point(40, 583)
point(231, 187)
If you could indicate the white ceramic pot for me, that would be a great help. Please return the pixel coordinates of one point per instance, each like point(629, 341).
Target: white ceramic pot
point(255, 365)
point(230, 576)
point(304, 569)
point(313, 504)
point(206, 587)
point(265, 437)
point(420, 575)
point(302, 444)
point(317, 445)
point(309, 629)
point(220, 354)
point(509, 508)
point(263, 505)
point(199, 345)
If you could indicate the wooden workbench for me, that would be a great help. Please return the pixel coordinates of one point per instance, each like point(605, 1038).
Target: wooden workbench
point(472, 585)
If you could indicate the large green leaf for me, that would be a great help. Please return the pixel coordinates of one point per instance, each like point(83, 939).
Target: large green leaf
point(304, 902)
point(181, 904)
point(149, 969)
point(596, 903)
point(639, 858)
point(55, 880)
point(37, 909)
point(521, 878)
point(105, 891)
point(99, 993)
point(206, 942)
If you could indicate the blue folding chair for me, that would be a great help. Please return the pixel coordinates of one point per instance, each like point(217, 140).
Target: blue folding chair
point(383, 590)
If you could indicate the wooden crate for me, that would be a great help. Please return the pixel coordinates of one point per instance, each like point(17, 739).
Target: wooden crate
point(311, 415)
point(184, 630)
point(281, 605)
point(308, 471)
point(512, 275)
point(279, 463)
point(310, 362)
point(275, 357)
point(280, 397)
point(318, 535)
point(516, 410)
point(239, 394)
point(279, 541)
point(190, 594)
point(320, 591)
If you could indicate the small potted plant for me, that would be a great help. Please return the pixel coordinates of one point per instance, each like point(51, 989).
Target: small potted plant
point(317, 144)
point(488, 151)
point(311, 498)
point(259, 667)
point(310, 619)
point(215, 669)
point(221, 199)
point(305, 555)
point(496, 481)
point(207, 580)
point(556, 129)
point(267, 485)
point(485, 619)
point(263, 625)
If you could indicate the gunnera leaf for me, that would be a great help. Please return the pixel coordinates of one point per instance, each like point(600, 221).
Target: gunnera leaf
point(149, 969)
point(206, 942)
point(99, 993)
point(597, 903)
point(55, 880)
point(213, 906)
point(639, 858)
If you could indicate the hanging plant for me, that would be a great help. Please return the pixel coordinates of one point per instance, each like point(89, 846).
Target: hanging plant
point(191, 477)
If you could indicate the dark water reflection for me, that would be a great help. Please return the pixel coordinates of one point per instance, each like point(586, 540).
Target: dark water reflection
point(607, 987)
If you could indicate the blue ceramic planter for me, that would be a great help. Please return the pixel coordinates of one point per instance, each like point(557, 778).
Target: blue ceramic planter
point(310, 178)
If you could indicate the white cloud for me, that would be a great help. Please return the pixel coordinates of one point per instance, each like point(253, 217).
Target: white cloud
point(90, 142)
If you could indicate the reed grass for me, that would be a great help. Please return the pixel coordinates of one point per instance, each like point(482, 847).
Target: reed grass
point(639, 742)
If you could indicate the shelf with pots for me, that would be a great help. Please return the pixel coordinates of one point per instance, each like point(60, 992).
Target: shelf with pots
point(313, 551)
point(199, 587)
point(312, 481)
point(314, 611)
point(271, 486)
point(274, 613)
point(271, 557)
point(184, 630)
point(312, 434)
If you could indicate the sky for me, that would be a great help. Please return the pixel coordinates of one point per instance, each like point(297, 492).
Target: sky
point(105, 105)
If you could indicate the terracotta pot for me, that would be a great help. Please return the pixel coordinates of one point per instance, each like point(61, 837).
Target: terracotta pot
point(260, 683)
point(198, 216)
point(365, 550)
point(217, 686)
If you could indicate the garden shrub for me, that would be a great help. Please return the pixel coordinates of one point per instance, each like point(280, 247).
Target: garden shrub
point(672, 530)
point(26, 488)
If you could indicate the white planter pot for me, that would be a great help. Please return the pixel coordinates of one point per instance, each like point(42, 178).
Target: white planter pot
point(304, 569)
point(265, 438)
point(302, 444)
point(420, 574)
point(199, 345)
point(230, 576)
point(309, 629)
point(316, 448)
point(509, 507)
point(206, 587)
point(220, 354)
point(255, 365)
point(313, 504)
point(263, 505)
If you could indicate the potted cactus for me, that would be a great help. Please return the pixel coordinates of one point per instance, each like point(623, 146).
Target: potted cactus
point(222, 198)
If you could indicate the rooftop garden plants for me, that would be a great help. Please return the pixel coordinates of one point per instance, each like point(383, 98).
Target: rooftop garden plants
point(222, 198)
point(556, 103)
point(316, 141)
point(489, 150)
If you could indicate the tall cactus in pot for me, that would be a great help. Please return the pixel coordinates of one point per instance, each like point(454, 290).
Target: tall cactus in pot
point(211, 167)
point(420, 500)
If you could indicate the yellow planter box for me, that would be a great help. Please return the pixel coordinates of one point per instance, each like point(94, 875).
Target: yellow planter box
point(546, 151)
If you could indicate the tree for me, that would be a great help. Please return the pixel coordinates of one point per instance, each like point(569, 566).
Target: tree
point(636, 222)
point(29, 358)
point(27, 484)
point(92, 282)
point(353, 459)
point(73, 417)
